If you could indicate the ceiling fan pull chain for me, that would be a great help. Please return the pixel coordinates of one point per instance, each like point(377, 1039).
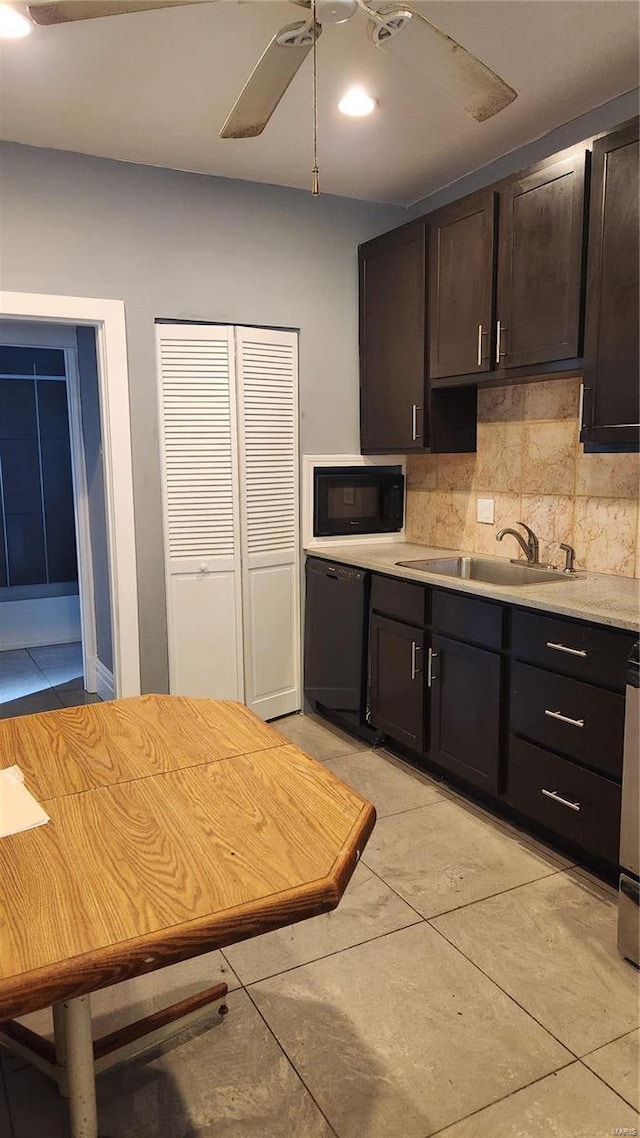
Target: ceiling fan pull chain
point(315, 173)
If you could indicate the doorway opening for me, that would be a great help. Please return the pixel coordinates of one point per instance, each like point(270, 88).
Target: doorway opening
point(98, 326)
point(55, 625)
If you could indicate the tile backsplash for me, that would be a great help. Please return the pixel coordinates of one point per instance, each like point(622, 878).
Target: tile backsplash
point(530, 461)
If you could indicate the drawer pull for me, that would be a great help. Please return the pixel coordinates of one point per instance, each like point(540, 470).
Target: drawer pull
point(558, 798)
point(564, 718)
point(569, 651)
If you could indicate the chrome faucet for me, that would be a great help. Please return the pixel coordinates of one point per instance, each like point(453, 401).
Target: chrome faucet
point(530, 547)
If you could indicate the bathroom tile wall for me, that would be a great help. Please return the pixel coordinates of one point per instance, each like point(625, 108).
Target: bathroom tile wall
point(530, 461)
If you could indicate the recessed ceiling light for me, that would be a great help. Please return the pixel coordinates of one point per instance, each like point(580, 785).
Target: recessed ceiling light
point(13, 25)
point(357, 103)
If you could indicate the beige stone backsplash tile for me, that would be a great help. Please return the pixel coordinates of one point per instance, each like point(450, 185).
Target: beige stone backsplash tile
point(551, 518)
point(499, 459)
point(530, 461)
point(456, 471)
point(500, 404)
point(607, 475)
point(605, 535)
point(548, 457)
point(508, 511)
point(552, 399)
point(453, 519)
point(420, 520)
point(421, 471)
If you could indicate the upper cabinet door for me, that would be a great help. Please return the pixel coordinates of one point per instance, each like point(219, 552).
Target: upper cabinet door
point(612, 396)
point(540, 265)
point(392, 340)
point(461, 257)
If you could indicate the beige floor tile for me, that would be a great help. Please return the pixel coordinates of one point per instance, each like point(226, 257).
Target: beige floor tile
point(230, 1080)
point(316, 737)
point(402, 1036)
point(112, 1008)
point(446, 855)
point(552, 946)
point(368, 909)
point(521, 835)
point(384, 782)
point(618, 1063)
point(568, 1104)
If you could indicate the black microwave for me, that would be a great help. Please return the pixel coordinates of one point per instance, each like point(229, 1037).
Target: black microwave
point(357, 499)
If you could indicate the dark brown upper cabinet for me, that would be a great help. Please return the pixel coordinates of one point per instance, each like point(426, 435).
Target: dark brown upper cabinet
point(540, 265)
point(392, 340)
point(612, 394)
point(461, 260)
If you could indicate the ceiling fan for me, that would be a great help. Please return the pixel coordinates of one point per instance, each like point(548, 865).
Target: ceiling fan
point(458, 74)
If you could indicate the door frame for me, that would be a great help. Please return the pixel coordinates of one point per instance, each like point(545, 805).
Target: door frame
point(107, 318)
point(82, 521)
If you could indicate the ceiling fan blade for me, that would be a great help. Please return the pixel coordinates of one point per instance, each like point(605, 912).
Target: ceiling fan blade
point(271, 76)
point(458, 74)
point(62, 11)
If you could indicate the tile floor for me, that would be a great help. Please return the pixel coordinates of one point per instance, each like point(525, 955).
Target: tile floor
point(41, 679)
point(468, 986)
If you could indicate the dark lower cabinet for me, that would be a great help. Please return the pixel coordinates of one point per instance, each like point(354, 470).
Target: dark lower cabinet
point(465, 711)
point(528, 713)
point(397, 682)
point(612, 394)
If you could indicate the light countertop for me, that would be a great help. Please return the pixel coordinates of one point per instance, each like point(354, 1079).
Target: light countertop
point(599, 597)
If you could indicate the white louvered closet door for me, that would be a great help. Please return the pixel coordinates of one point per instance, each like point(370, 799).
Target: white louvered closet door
point(198, 436)
point(267, 378)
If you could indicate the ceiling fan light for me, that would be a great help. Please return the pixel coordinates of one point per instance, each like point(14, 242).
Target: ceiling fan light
point(13, 25)
point(357, 103)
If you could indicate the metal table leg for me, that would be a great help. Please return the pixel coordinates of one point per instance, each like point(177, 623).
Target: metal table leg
point(78, 1043)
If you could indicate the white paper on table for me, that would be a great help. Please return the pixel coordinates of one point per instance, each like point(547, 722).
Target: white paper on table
point(18, 808)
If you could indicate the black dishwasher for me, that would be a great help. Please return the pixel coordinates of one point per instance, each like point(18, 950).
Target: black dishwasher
point(335, 643)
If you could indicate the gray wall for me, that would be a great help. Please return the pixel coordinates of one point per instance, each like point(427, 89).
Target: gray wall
point(92, 438)
point(183, 246)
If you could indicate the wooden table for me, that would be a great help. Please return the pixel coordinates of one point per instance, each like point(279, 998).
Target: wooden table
point(177, 826)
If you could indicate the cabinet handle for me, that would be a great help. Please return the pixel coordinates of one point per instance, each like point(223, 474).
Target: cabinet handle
point(564, 648)
point(500, 328)
point(431, 656)
point(415, 648)
point(558, 798)
point(480, 335)
point(564, 718)
point(414, 421)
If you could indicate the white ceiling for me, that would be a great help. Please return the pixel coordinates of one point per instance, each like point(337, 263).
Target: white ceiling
point(155, 87)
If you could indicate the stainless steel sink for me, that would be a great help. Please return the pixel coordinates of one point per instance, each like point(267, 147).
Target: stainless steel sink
point(490, 570)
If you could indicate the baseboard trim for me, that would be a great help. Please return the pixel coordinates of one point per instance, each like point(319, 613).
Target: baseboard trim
point(105, 684)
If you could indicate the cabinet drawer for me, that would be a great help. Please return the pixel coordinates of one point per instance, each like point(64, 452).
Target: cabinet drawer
point(580, 721)
point(400, 599)
point(589, 814)
point(467, 618)
point(598, 655)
